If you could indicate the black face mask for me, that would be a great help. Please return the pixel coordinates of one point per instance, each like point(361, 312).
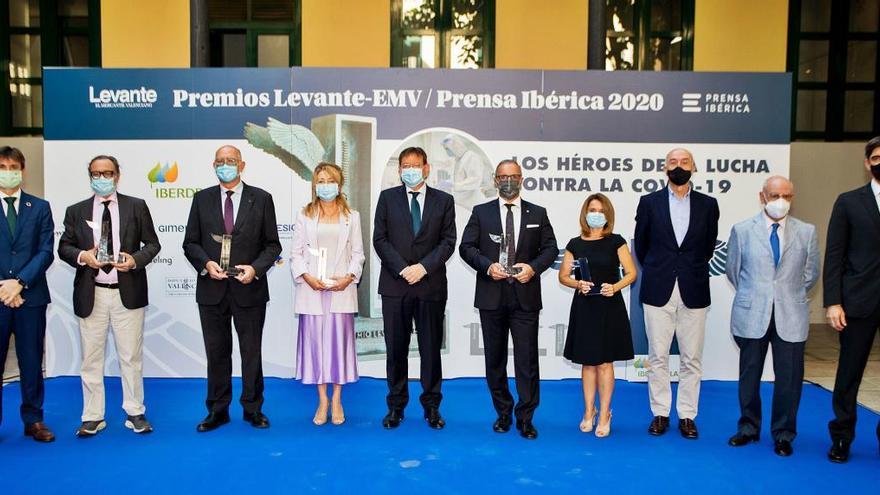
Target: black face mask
point(679, 176)
point(875, 171)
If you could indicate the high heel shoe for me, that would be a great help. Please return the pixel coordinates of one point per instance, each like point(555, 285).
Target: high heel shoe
point(320, 419)
point(338, 419)
point(604, 432)
point(588, 422)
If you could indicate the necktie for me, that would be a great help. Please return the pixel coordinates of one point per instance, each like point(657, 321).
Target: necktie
point(228, 215)
point(11, 215)
point(509, 231)
point(416, 212)
point(774, 244)
point(107, 230)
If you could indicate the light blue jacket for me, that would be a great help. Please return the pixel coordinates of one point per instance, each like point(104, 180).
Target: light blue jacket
point(762, 289)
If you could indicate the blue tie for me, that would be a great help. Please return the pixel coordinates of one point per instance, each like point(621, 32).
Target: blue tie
point(774, 244)
point(416, 212)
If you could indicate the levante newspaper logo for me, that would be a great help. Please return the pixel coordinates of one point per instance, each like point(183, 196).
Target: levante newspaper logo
point(161, 175)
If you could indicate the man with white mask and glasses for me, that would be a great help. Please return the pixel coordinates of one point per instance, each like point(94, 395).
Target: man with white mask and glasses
point(772, 262)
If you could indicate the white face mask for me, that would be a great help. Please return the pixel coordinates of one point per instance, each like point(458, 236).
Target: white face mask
point(777, 209)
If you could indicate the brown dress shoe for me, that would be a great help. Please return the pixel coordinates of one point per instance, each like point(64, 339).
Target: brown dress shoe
point(688, 429)
point(39, 432)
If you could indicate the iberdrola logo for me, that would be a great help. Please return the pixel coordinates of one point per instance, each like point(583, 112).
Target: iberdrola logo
point(168, 173)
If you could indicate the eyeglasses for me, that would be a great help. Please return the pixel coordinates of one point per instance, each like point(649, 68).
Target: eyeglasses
point(107, 174)
point(410, 165)
point(508, 177)
point(232, 162)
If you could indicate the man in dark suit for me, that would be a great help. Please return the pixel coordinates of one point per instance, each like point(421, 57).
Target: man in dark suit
point(26, 240)
point(851, 288)
point(414, 236)
point(676, 229)
point(110, 294)
point(509, 297)
point(239, 296)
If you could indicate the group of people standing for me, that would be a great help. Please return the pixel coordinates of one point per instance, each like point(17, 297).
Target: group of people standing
point(231, 240)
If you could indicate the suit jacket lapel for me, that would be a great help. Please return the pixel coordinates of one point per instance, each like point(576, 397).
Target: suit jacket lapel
point(217, 210)
point(791, 232)
point(244, 207)
point(344, 225)
point(403, 205)
point(24, 212)
point(667, 216)
point(125, 218)
point(759, 228)
point(86, 213)
point(429, 208)
point(870, 203)
point(495, 228)
point(525, 215)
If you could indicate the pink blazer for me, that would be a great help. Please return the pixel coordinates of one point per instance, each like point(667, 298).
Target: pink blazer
point(349, 259)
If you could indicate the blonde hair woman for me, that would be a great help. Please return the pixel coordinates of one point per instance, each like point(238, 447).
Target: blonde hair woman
point(326, 301)
point(598, 326)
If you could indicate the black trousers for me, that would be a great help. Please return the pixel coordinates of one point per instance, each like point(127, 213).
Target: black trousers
point(217, 331)
point(788, 366)
point(399, 313)
point(856, 340)
point(511, 319)
point(28, 324)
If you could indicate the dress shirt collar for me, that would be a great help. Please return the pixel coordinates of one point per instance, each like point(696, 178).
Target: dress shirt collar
point(875, 187)
point(237, 189)
point(113, 199)
point(422, 190)
point(16, 195)
point(517, 203)
point(672, 194)
point(770, 221)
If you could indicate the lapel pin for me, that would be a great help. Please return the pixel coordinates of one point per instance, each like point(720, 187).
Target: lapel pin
point(27, 203)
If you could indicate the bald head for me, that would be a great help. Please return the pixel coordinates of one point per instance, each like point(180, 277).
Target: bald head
point(778, 183)
point(680, 157)
point(508, 167)
point(228, 151)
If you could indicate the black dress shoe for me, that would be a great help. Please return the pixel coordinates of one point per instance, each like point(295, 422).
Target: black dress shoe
point(659, 425)
point(739, 439)
point(435, 421)
point(526, 429)
point(257, 419)
point(783, 448)
point(502, 424)
point(688, 429)
point(392, 419)
point(839, 452)
point(213, 421)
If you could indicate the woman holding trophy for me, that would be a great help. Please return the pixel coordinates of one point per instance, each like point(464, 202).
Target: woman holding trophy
point(326, 260)
point(598, 328)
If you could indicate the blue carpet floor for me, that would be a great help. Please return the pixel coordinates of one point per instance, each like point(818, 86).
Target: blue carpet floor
point(293, 456)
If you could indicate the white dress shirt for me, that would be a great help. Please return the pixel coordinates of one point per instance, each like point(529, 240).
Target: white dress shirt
point(236, 200)
point(517, 217)
point(680, 214)
point(16, 195)
point(779, 232)
point(420, 199)
point(97, 214)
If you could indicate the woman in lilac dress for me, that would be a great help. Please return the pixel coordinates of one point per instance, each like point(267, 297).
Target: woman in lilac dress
point(326, 260)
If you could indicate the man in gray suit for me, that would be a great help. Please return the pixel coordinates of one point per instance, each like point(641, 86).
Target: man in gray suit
point(772, 261)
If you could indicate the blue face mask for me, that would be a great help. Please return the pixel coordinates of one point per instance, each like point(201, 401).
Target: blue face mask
point(327, 192)
point(412, 176)
point(226, 173)
point(103, 187)
point(596, 219)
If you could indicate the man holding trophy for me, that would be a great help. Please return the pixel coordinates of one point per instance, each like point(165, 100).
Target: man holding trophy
point(109, 239)
point(510, 242)
point(232, 241)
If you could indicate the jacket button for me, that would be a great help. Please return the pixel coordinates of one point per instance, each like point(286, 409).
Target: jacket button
point(13, 253)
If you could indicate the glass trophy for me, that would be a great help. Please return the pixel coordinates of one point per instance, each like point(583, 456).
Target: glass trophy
point(225, 241)
point(103, 255)
point(584, 272)
point(504, 260)
point(321, 254)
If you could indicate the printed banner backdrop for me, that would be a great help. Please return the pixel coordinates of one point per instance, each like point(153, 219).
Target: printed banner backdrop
point(573, 132)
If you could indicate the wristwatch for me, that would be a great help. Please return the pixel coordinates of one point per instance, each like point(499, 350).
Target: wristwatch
point(21, 282)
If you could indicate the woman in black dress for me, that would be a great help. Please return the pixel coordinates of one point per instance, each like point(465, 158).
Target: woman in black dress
point(598, 327)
